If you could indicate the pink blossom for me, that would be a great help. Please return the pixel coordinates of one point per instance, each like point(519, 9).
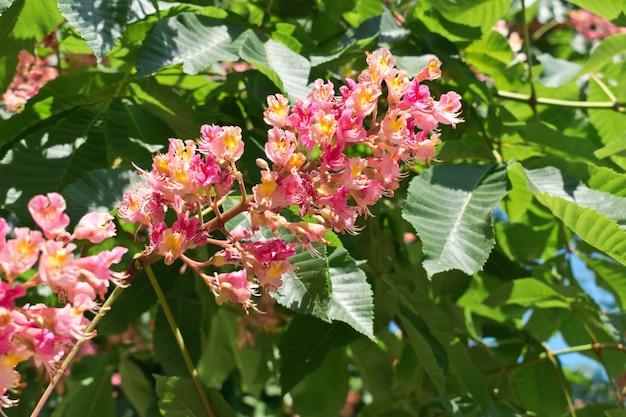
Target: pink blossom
point(20, 254)
point(447, 109)
point(48, 213)
point(277, 111)
point(224, 143)
point(96, 269)
point(57, 267)
point(95, 227)
point(280, 146)
point(234, 287)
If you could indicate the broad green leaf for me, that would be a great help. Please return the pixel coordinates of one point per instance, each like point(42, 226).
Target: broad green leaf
point(178, 397)
point(190, 39)
point(538, 382)
point(89, 389)
point(100, 22)
point(482, 13)
point(590, 225)
point(431, 353)
point(135, 386)
point(556, 72)
point(555, 183)
point(605, 53)
point(288, 70)
point(185, 305)
point(617, 146)
point(99, 190)
point(323, 392)
point(352, 299)
point(610, 125)
point(374, 367)
point(310, 291)
point(450, 207)
point(563, 145)
point(527, 292)
point(609, 275)
point(306, 343)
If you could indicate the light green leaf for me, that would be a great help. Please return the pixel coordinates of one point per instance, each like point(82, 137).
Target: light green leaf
point(593, 227)
point(100, 22)
point(552, 181)
point(618, 146)
point(178, 397)
point(287, 69)
point(483, 13)
point(556, 72)
point(192, 40)
point(352, 299)
point(605, 53)
point(549, 136)
point(450, 208)
point(135, 386)
point(613, 10)
point(527, 292)
point(306, 343)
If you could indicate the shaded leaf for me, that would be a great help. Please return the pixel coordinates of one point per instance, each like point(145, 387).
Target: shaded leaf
point(306, 343)
point(193, 40)
point(450, 208)
point(135, 386)
point(178, 397)
point(100, 22)
point(609, 275)
point(556, 72)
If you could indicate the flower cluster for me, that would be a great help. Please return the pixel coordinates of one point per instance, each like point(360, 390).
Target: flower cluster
point(592, 26)
point(44, 333)
point(332, 155)
point(32, 73)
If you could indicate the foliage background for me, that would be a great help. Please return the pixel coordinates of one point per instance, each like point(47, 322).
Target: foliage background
point(469, 267)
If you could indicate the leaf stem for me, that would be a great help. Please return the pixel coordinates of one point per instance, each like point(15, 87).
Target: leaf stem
point(563, 103)
point(72, 354)
point(559, 373)
point(180, 341)
point(532, 102)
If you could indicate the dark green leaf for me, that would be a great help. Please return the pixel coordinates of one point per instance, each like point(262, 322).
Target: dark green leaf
point(450, 208)
point(135, 386)
point(100, 22)
point(306, 343)
point(178, 397)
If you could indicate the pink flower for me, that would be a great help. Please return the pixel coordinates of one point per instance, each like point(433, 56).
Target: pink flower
point(233, 287)
point(224, 143)
point(95, 227)
point(277, 111)
point(21, 253)
point(280, 146)
point(48, 213)
point(96, 269)
point(57, 267)
point(447, 109)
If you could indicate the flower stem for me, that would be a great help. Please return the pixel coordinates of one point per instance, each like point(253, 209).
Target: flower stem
point(563, 103)
point(180, 341)
point(72, 354)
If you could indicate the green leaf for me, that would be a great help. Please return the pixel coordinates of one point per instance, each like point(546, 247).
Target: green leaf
point(352, 299)
point(185, 305)
point(551, 137)
point(192, 40)
point(590, 225)
point(100, 22)
point(483, 13)
point(5, 4)
point(306, 343)
point(99, 190)
point(135, 386)
point(429, 350)
point(287, 69)
point(217, 359)
point(89, 389)
point(527, 292)
point(613, 10)
point(556, 72)
point(450, 208)
point(310, 291)
point(178, 397)
point(609, 275)
point(618, 146)
point(323, 393)
point(605, 53)
point(374, 367)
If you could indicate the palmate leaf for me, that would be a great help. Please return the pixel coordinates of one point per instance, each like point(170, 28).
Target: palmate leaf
point(100, 22)
point(589, 224)
point(178, 397)
point(450, 208)
point(305, 344)
point(193, 40)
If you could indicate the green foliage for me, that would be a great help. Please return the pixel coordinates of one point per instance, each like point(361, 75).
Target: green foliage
point(448, 300)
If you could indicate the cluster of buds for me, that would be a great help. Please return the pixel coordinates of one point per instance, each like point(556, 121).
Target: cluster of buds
point(38, 331)
point(32, 73)
point(390, 118)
